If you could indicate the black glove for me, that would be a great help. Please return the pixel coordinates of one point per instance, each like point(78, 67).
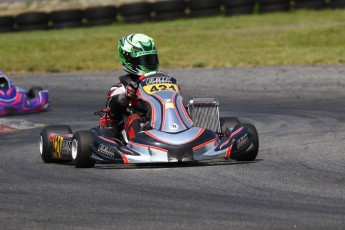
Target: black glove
point(131, 90)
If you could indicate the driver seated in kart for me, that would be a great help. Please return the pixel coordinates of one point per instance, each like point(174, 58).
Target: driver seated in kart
point(138, 56)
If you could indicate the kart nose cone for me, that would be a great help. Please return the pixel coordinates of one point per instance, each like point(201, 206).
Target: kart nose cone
point(180, 155)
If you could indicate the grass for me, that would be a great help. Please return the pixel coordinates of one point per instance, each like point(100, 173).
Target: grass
point(301, 37)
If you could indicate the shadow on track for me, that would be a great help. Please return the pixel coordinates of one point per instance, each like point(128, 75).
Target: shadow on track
point(174, 165)
point(211, 163)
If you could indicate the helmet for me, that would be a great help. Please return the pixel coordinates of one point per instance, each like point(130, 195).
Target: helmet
point(138, 54)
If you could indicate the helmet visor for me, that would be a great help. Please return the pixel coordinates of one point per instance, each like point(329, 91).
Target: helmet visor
point(150, 59)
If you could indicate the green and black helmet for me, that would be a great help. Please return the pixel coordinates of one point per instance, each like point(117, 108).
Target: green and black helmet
point(138, 54)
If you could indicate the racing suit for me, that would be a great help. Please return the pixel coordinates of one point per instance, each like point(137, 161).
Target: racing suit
point(124, 109)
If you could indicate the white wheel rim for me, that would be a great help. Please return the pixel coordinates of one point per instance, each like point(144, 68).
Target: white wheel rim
point(74, 149)
point(41, 145)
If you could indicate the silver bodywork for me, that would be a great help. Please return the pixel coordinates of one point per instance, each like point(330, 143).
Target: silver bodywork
point(174, 136)
point(167, 111)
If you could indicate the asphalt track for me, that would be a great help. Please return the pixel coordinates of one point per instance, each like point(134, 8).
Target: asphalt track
point(297, 181)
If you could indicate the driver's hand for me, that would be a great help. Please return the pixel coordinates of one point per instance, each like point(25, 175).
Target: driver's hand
point(131, 90)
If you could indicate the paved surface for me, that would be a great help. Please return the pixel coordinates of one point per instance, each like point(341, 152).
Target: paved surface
point(297, 182)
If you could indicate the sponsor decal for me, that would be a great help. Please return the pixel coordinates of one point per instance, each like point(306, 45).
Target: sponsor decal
point(66, 147)
point(240, 142)
point(174, 126)
point(169, 106)
point(57, 146)
point(110, 152)
point(61, 146)
point(141, 53)
point(158, 80)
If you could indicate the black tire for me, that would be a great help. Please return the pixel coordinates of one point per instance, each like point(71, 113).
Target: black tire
point(272, 2)
point(64, 25)
point(251, 154)
point(227, 124)
point(337, 4)
point(100, 12)
point(165, 16)
point(140, 18)
point(81, 152)
point(6, 21)
point(33, 92)
point(4, 29)
point(32, 27)
point(229, 3)
point(101, 21)
point(97, 16)
point(32, 21)
point(45, 145)
point(239, 10)
point(274, 8)
point(34, 18)
point(310, 4)
point(205, 12)
point(66, 16)
point(135, 9)
point(6, 24)
point(204, 4)
point(169, 6)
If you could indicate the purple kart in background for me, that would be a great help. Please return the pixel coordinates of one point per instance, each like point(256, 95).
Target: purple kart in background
point(15, 100)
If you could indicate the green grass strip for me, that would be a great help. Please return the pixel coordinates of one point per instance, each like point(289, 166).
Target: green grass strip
point(294, 38)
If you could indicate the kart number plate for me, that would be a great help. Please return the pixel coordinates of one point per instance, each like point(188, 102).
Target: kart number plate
point(150, 89)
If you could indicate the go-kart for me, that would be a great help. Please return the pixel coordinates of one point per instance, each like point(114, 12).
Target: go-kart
point(171, 132)
point(15, 100)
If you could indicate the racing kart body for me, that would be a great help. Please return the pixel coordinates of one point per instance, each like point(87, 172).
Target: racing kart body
point(172, 133)
point(15, 100)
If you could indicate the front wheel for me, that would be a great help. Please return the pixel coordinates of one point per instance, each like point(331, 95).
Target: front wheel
point(252, 152)
point(227, 124)
point(81, 152)
point(34, 92)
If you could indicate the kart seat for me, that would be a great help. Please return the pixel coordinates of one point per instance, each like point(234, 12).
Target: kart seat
point(4, 84)
point(146, 126)
point(109, 132)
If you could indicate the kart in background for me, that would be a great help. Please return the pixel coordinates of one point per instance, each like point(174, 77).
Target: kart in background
point(15, 100)
point(171, 132)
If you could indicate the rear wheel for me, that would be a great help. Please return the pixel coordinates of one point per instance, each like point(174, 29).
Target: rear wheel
point(227, 124)
point(251, 154)
point(81, 152)
point(45, 144)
